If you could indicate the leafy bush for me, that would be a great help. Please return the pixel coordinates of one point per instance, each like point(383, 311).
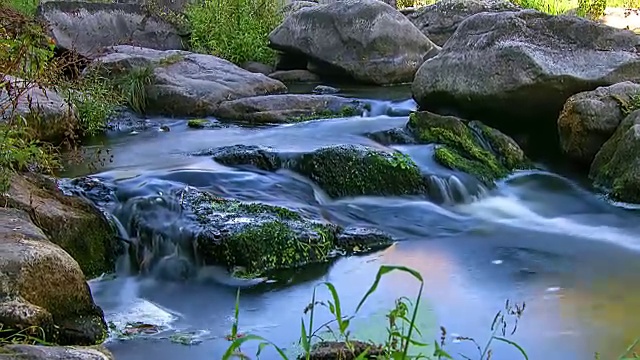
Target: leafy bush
point(26, 62)
point(236, 30)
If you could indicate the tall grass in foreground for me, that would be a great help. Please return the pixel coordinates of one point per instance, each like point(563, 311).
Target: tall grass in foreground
point(236, 30)
point(400, 343)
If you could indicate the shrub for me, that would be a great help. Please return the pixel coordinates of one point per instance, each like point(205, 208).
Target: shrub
point(236, 30)
point(27, 56)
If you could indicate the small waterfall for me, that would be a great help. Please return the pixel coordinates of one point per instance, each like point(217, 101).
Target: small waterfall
point(451, 190)
point(158, 242)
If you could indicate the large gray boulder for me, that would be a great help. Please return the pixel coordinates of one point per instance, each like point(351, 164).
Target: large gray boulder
point(588, 119)
point(616, 167)
point(440, 20)
point(519, 67)
point(289, 108)
point(89, 27)
point(381, 47)
point(42, 287)
point(185, 83)
point(46, 111)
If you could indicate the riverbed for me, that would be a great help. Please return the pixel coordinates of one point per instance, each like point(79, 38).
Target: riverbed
point(540, 238)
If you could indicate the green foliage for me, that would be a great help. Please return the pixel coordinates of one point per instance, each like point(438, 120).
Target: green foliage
point(133, 87)
point(26, 7)
point(32, 335)
point(236, 30)
point(401, 341)
point(95, 99)
point(592, 9)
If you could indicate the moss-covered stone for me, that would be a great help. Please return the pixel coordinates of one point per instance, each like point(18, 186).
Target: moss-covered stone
point(289, 108)
point(253, 239)
point(473, 148)
point(197, 123)
point(260, 157)
point(41, 285)
point(352, 170)
point(71, 222)
point(617, 164)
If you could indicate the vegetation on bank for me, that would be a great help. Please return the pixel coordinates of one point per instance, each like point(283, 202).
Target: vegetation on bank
point(404, 341)
point(236, 30)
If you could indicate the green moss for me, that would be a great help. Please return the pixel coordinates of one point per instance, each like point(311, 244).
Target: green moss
point(488, 155)
point(236, 206)
point(344, 112)
point(351, 170)
point(273, 245)
point(197, 123)
point(170, 60)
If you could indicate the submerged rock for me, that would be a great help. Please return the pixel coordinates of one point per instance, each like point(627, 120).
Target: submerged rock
point(470, 147)
point(325, 90)
point(519, 68)
point(440, 20)
point(260, 157)
point(41, 286)
point(369, 50)
point(588, 119)
point(33, 352)
point(45, 110)
point(253, 239)
point(71, 222)
point(295, 76)
point(289, 108)
point(616, 167)
point(89, 27)
point(187, 84)
point(337, 350)
point(353, 170)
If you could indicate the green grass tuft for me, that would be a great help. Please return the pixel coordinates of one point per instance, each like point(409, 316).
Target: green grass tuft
point(236, 30)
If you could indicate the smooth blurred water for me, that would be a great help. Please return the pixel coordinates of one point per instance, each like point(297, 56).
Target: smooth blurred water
point(539, 238)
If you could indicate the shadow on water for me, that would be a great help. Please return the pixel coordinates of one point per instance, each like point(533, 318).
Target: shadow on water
point(538, 237)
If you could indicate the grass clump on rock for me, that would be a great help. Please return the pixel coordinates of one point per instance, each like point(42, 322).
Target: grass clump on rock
point(236, 30)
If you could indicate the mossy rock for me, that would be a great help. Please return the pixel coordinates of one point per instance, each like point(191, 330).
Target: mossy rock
point(289, 108)
point(42, 286)
point(71, 222)
point(354, 170)
point(254, 239)
point(470, 147)
point(616, 166)
point(261, 157)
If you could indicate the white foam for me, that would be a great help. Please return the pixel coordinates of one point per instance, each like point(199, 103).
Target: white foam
point(511, 211)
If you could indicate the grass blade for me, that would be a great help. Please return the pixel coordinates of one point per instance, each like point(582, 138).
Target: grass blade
point(524, 354)
point(385, 269)
point(237, 343)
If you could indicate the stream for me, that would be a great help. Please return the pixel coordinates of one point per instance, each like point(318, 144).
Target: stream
point(539, 238)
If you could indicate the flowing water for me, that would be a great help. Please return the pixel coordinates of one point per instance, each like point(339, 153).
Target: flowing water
point(538, 238)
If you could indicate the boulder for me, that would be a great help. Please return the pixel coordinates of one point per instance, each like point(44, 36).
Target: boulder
point(292, 76)
point(71, 222)
point(369, 50)
point(470, 147)
point(589, 118)
point(46, 111)
point(289, 108)
point(250, 238)
point(185, 83)
point(616, 166)
point(89, 27)
point(294, 6)
point(334, 350)
point(340, 170)
point(325, 90)
point(32, 352)
point(256, 67)
point(517, 69)
point(440, 20)
point(42, 288)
